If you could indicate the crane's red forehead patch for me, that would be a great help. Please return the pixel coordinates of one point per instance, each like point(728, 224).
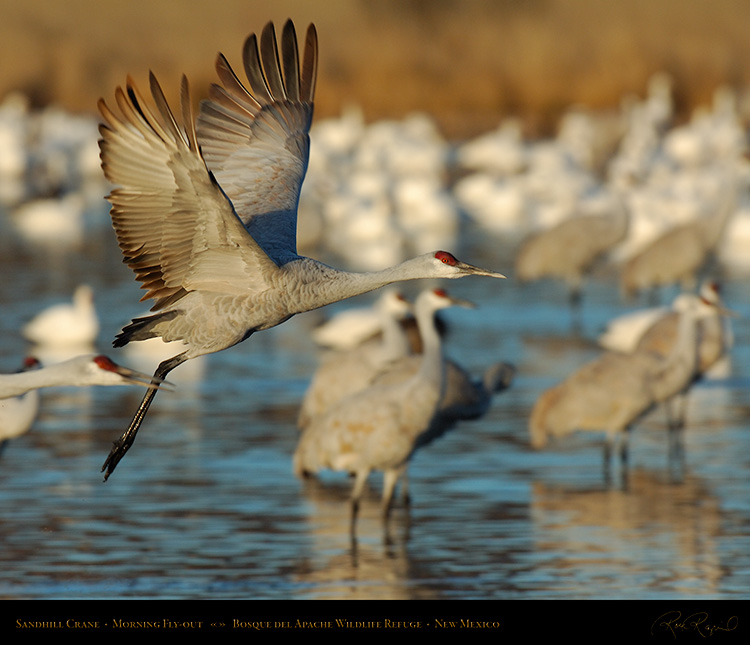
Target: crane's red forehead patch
point(446, 258)
point(442, 293)
point(105, 363)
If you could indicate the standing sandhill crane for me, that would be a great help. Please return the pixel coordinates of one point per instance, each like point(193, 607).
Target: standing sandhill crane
point(677, 255)
point(612, 392)
point(343, 373)
point(714, 337)
point(464, 398)
point(206, 215)
point(569, 250)
point(379, 428)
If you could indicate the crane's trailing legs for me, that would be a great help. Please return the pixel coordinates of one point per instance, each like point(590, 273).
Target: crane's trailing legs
point(122, 445)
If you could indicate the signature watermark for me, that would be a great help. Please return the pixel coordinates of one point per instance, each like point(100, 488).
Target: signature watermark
point(699, 623)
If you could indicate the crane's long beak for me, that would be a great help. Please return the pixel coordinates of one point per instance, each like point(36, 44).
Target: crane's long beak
point(470, 268)
point(460, 302)
point(722, 310)
point(139, 378)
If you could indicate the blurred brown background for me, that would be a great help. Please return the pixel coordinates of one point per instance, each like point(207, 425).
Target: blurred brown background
point(468, 62)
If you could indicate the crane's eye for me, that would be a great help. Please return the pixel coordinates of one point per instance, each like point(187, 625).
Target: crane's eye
point(446, 258)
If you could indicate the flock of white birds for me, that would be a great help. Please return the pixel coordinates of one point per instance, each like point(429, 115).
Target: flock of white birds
point(376, 193)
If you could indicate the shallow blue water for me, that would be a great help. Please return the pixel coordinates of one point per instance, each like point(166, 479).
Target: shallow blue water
point(205, 505)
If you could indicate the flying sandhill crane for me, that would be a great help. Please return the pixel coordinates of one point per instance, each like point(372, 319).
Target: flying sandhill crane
point(80, 371)
point(17, 413)
point(19, 392)
point(677, 255)
point(343, 373)
point(569, 250)
point(379, 428)
point(206, 215)
point(612, 392)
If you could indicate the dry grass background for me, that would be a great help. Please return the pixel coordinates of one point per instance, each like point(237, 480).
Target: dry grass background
point(468, 62)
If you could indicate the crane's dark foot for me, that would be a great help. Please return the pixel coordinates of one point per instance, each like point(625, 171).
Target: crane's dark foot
point(119, 448)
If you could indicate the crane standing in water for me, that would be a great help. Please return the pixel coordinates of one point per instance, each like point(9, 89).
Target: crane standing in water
point(206, 214)
point(569, 250)
point(379, 428)
point(342, 373)
point(714, 340)
point(679, 254)
point(614, 391)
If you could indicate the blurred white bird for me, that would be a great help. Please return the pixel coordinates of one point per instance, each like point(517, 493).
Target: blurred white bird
point(54, 221)
point(351, 327)
point(66, 324)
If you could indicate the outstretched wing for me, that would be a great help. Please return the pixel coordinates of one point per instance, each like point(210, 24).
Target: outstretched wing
point(176, 228)
point(256, 142)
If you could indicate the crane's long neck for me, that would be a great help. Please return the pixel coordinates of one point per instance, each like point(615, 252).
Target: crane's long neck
point(621, 221)
point(22, 382)
point(713, 226)
point(317, 285)
point(681, 364)
point(395, 340)
point(432, 368)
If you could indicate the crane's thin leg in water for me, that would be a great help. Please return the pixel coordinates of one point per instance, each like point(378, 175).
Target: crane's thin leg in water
point(390, 480)
point(607, 460)
point(676, 413)
point(122, 445)
point(618, 442)
point(359, 486)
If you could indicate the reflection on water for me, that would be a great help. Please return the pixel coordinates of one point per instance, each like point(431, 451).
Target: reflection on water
point(582, 531)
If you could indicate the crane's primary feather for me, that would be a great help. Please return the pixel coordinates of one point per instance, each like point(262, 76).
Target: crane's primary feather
point(256, 142)
point(175, 226)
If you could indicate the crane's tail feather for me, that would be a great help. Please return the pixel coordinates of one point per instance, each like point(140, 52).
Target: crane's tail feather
point(142, 328)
